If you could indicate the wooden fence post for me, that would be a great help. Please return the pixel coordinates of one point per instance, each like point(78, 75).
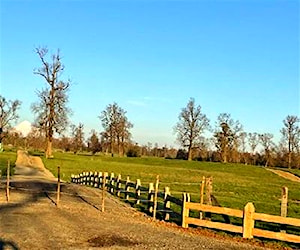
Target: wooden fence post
point(91, 179)
point(58, 186)
point(155, 197)
point(119, 185)
point(96, 179)
point(87, 178)
point(150, 197)
point(167, 204)
point(284, 204)
point(202, 195)
point(7, 180)
point(112, 183)
point(248, 221)
point(138, 191)
point(100, 179)
point(104, 176)
point(81, 179)
point(185, 211)
point(127, 188)
point(284, 201)
point(209, 190)
point(84, 178)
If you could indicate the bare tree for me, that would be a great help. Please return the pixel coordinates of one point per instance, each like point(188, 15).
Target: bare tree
point(242, 138)
point(122, 132)
point(93, 143)
point(77, 137)
point(192, 123)
point(226, 134)
point(36, 138)
point(289, 133)
point(267, 143)
point(116, 127)
point(51, 109)
point(8, 113)
point(253, 140)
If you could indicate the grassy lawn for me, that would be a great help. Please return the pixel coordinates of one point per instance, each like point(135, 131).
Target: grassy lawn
point(233, 184)
point(4, 157)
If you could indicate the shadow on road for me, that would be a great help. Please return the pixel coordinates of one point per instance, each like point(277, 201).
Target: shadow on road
point(35, 190)
point(8, 245)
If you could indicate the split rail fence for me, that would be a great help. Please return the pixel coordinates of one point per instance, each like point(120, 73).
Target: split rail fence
point(134, 191)
point(248, 215)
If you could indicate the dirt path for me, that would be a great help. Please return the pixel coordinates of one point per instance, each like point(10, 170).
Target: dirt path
point(285, 175)
point(32, 221)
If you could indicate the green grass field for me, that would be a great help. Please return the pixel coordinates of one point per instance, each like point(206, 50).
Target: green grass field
point(4, 158)
point(233, 184)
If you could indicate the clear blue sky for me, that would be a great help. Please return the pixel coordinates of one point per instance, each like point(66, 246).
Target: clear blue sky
point(240, 57)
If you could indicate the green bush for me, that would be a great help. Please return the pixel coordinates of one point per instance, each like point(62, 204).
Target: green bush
point(133, 152)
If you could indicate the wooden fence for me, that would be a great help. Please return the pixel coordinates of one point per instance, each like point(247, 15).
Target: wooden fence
point(248, 215)
point(133, 191)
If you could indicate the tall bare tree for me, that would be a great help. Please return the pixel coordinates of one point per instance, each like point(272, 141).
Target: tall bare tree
point(8, 113)
point(290, 133)
point(116, 127)
point(77, 137)
point(51, 109)
point(242, 139)
point(226, 134)
point(93, 142)
point(191, 125)
point(123, 132)
point(268, 144)
point(253, 140)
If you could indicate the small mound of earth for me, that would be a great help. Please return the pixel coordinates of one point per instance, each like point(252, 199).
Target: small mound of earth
point(26, 160)
point(31, 166)
point(111, 240)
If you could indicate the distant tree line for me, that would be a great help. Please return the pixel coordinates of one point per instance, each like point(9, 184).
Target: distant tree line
point(228, 143)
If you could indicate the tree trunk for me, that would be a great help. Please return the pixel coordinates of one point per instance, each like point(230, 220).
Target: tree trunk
point(122, 147)
point(190, 153)
point(112, 148)
point(225, 154)
point(49, 148)
point(1, 132)
point(290, 160)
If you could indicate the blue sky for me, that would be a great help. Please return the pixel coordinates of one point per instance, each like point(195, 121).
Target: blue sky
point(240, 57)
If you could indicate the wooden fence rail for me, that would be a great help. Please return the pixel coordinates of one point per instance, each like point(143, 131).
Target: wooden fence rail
point(248, 215)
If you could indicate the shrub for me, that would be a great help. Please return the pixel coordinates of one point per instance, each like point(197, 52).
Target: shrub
point(133, 152)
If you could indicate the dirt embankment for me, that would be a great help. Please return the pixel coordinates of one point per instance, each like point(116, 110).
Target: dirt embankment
point(31, 167)
point(285, 175)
